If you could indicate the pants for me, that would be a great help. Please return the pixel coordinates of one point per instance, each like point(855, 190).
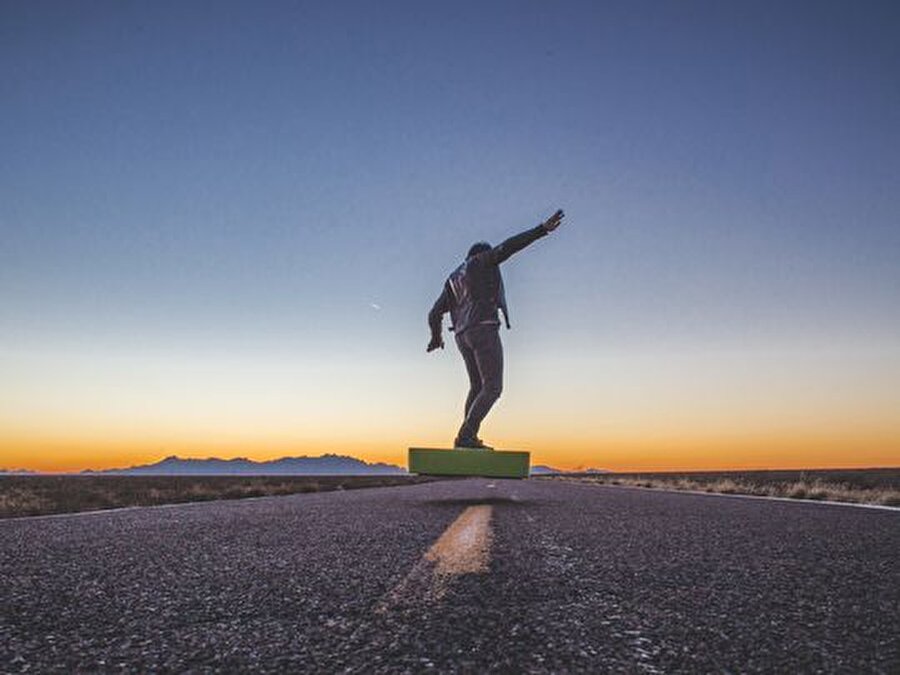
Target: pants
point(483, 355)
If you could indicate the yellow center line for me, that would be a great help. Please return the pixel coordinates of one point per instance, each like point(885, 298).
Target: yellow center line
point(463, 548)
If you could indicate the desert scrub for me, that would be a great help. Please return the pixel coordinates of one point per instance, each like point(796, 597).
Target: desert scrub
point(22, 501)
point(864, 486)
point(43, 495)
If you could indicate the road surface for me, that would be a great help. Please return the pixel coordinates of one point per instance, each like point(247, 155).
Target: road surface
point(472, 575)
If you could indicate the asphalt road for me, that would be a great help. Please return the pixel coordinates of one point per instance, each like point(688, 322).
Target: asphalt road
point(538, 577)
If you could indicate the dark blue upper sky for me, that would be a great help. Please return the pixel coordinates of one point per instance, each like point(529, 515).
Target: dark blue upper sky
point(258, 175)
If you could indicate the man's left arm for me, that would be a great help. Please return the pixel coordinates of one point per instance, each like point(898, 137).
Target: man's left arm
point(516, 243)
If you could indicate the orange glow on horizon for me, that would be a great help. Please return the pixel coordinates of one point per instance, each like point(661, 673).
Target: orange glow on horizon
point(643, 410)
point(682, 453)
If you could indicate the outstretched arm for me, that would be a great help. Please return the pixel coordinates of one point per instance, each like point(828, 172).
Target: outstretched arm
point(436, 320)
point(516, 243)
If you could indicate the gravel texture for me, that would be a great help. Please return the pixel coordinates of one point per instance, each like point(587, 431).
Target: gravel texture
point(581, 579)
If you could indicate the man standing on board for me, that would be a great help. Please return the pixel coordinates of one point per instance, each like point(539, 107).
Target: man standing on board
point(473, 294)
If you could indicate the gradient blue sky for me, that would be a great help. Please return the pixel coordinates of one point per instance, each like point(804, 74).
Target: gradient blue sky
point(201, 202)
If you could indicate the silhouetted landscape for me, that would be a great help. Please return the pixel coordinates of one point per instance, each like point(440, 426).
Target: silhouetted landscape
point(325, 465)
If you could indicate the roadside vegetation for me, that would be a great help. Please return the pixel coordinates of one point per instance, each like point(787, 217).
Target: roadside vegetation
point(43, 495)
point(862, 486)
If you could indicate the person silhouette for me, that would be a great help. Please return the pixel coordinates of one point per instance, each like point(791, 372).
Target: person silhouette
point(473, 294)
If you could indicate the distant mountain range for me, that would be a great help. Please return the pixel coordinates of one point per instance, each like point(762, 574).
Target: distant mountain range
point(543, 469)
point(326, 465)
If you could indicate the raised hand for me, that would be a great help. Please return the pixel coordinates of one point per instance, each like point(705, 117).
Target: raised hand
point(553, 221)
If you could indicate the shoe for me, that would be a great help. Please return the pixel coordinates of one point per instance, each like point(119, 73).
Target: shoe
point(471, 444)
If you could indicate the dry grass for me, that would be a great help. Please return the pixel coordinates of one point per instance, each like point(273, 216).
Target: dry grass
point(18, 500)
point(43, 495)
point(815, 485)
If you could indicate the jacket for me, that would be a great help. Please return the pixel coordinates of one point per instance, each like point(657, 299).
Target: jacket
point(473, 293)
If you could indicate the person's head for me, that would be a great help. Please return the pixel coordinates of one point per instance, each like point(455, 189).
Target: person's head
point(478, 247)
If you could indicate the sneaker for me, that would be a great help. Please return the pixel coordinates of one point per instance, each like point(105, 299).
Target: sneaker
point(471, 444)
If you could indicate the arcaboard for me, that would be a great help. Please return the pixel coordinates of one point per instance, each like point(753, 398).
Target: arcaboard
point(469, 462)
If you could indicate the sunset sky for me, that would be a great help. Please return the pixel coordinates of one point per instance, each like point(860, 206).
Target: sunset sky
point(223, 225)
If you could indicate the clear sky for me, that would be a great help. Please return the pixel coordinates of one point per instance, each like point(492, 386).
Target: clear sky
point(223, 224)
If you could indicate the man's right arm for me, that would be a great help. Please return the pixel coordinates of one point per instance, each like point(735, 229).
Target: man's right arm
point(436, 319)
